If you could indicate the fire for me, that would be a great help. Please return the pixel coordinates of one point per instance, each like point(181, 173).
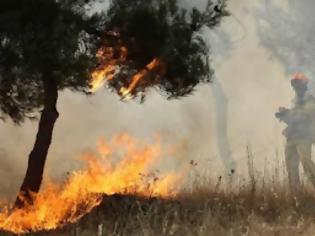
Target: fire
point(108, 68)
point(125, 92)
point(121, 165)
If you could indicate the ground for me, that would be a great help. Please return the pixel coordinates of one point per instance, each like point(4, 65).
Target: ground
point(206, 210)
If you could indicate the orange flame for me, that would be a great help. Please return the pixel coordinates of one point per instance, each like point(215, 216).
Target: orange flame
point(108, 68)
point(125, 92)
point(111, 173)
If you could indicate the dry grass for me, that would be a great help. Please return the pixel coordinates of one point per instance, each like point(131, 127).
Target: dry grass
point(206, 210)
point(258, 207)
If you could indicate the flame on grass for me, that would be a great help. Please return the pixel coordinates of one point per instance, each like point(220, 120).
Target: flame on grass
point(121, 166)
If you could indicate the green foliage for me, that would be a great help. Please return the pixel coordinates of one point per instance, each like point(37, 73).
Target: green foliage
point(59, 39)
point(40, 38)
point(161, 29)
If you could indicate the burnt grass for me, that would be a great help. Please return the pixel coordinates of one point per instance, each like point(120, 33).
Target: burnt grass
point(203, 211)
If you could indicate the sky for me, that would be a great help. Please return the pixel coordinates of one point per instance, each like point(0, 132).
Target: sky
point(254, 80)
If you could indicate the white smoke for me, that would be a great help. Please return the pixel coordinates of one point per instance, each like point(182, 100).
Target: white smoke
point(287, 30)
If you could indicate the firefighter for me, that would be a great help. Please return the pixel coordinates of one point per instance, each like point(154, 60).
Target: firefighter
point(299, 133)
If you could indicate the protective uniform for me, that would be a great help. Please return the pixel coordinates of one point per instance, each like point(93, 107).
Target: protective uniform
point(300, 133)
point(300, 136)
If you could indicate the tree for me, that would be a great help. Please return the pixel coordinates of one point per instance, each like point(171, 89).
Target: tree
point(45, 46)
point(50, 45)
point(224, 147)
point(160, 31)
point(160, 34)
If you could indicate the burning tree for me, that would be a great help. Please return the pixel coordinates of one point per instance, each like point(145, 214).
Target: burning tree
point(48, 45)
point(155, 43)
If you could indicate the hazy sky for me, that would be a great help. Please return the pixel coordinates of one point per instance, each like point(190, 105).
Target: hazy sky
point(255, 84)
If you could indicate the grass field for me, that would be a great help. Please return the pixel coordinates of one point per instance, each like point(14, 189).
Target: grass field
point(204, 209)
point(261, 204)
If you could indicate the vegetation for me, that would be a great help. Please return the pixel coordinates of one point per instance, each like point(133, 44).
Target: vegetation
point(161, 30)
point(201, 211)
point(263, 205)
point(48, 45)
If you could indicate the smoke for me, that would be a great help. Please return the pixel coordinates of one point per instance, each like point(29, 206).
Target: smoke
point(254, 84)
point(288, 32)
point(224, 146)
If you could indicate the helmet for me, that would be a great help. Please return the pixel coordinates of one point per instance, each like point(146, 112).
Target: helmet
point(299, 78)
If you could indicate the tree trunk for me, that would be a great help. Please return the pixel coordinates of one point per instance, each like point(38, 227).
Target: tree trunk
point(222, 128)
point(37, 157)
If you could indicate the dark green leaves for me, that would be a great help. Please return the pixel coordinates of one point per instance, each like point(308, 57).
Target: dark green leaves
point(41, 38)
point(161, 29)
point(60, 39)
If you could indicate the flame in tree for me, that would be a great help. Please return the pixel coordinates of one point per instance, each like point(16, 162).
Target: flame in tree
point(109, 66)
point(107, 70)
point(125, 92)
point(121, 165)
